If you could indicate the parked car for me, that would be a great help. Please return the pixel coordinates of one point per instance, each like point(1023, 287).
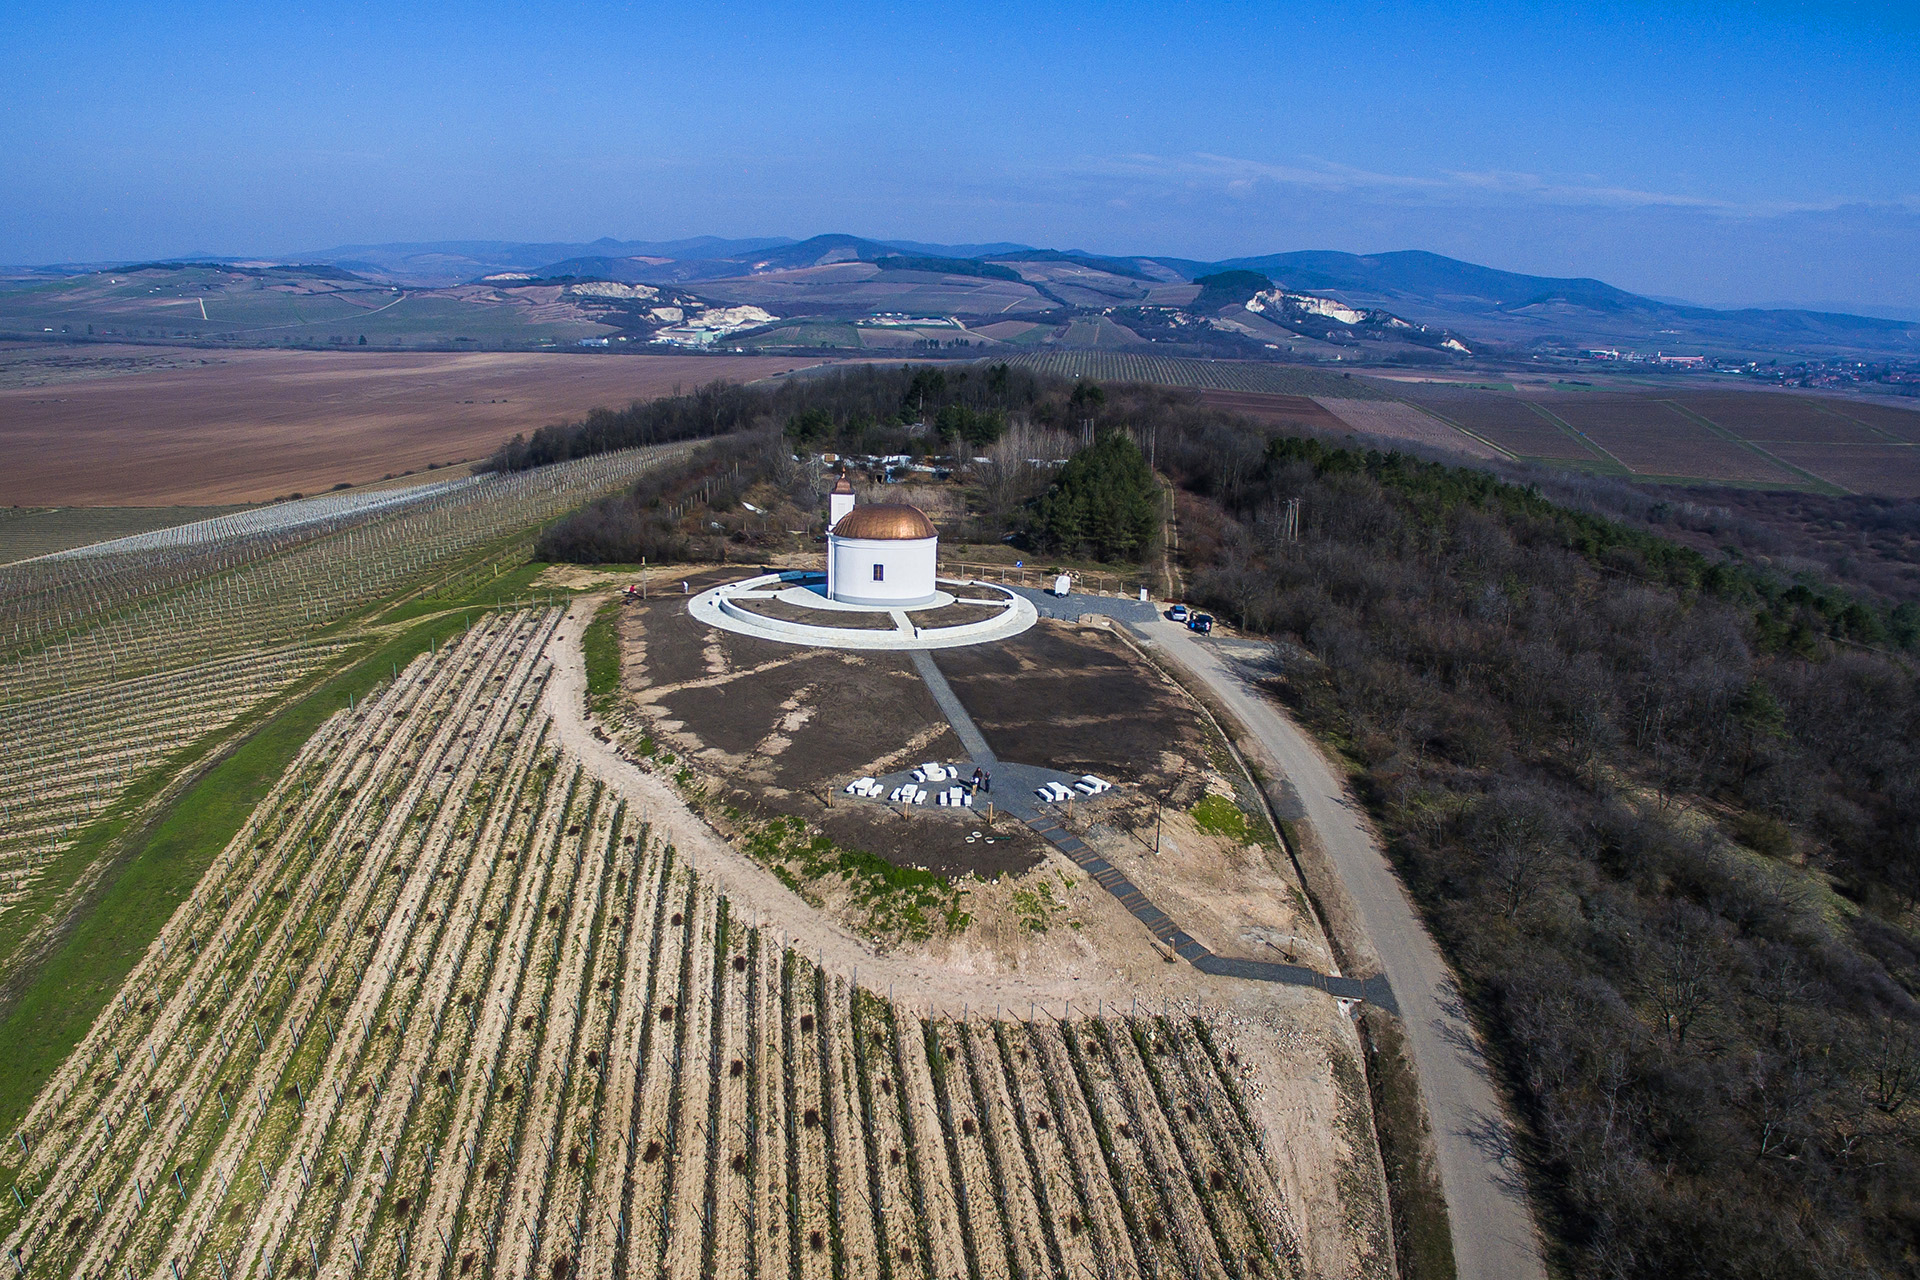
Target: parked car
point(1201, 622)
point(1178, 613)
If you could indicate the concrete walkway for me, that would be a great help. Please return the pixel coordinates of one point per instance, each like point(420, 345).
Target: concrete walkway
point(729, 607)
point(949, 703)
point(1373, 990)
point(1015, 796)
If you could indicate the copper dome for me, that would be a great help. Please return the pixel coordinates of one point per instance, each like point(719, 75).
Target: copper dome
point(885, 522)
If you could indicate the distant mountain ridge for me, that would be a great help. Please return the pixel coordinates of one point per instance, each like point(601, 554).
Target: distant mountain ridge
point(1493, 309)
point(1419, 274)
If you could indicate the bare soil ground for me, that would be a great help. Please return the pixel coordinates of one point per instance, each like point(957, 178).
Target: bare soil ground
point(1292, 1052)
point(784, 727)
point(1266, 407)
point(1886, 470)
point(1080, 700)
point(789, 725)
point(1898, 421)
point(818, 617)
point(247, 426)
point(1398, 421)
point(1653, 438)
point(1505, 420)
point(953, 615)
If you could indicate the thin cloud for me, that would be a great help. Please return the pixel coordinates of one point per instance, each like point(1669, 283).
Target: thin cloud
point(1240, 178)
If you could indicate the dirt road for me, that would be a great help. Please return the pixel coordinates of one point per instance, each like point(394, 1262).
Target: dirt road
point(1493, 1233)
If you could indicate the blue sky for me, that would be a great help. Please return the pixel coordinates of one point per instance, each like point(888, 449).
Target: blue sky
point(1726, 153)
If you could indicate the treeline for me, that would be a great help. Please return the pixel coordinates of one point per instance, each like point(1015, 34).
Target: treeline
point(864, 409)
point(719, 408)
point(1792, 613)
point(669, 516)
point(1003, 423)
point(1106, 503)
point(1661, 812)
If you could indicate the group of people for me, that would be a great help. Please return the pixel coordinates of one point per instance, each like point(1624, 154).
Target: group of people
point(983, 781)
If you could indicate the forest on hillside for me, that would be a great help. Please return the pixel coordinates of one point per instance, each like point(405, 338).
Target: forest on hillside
point(1661, 818)
point(741, 497)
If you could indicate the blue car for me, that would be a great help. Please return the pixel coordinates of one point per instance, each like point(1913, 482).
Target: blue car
point(1201, 622)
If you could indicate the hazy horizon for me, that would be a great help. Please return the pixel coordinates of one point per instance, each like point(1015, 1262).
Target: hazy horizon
point(1727, 157)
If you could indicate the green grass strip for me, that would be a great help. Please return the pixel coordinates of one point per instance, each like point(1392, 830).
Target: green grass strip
point(600, 647)
point(511, 584)
point(55, 1009)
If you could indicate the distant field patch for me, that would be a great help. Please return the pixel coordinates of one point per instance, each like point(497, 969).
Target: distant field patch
point(1266, 407)
point(27, 533)
point(217, 304)
point(260, 424)
point(1008, 330)
point(1397, 421)
point(1508, 422)
point(1654, 438)
point(1224, 375)
point(1083, 332)
point(1767, 418)
point(1892, 470)
point(807, 335)
point(1901, 424)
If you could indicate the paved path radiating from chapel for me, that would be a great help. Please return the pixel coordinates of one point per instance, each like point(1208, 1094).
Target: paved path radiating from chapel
point(1015, 796)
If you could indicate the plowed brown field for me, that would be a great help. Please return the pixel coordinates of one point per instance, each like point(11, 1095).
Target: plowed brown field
point(252, 425)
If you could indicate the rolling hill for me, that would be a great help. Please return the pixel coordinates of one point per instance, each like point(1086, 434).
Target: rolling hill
point(851, 292)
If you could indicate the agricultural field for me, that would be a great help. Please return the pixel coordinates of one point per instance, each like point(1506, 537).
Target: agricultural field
point(1392, 420)
point(1724, 436)
point(1886, 470)
point(1892, 421)
point(469, 995)
point(1657, 438)
point(1224, 375)
point(1098, 331)
point(805, 334)
point(1779, 419)
point(1507, 422)
point(254, 425)
point(1012, 330)
point(304, 305)
point(26, 532)
point(117, 666)
point(1268, 407)
point(34, 364)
